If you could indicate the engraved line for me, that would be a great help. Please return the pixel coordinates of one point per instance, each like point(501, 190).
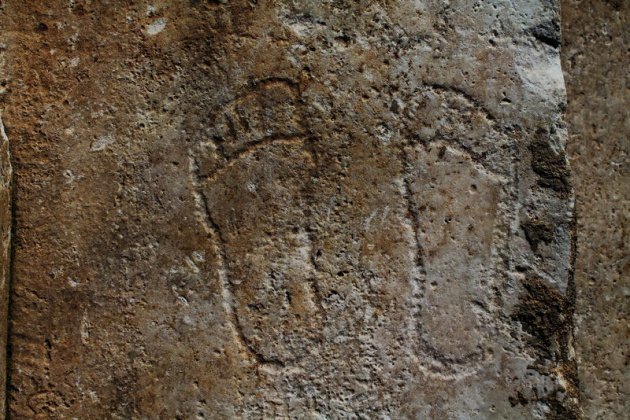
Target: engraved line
point(249, 150)
point(227, 292)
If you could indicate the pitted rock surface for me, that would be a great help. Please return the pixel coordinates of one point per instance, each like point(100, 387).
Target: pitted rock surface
point(290, 209)
point(595, 61)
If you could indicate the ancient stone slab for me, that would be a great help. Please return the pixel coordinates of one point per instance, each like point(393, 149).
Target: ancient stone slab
point(595, 61)
point(279, 208)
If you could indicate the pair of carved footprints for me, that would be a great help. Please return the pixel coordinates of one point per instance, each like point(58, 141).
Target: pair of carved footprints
point(253, 180)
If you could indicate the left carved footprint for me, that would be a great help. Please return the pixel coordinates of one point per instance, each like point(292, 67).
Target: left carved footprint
point(255, 192)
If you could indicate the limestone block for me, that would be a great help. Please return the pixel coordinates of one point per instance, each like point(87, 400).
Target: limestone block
point(312, 209)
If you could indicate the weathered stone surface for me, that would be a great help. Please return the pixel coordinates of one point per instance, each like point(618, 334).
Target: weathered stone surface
point(595, 60)
point(278, 208)
point(6, 175)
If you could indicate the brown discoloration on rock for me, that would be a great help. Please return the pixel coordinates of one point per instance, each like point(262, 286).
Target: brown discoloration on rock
point(538, 231)
point(550, 163)
point(542, 312)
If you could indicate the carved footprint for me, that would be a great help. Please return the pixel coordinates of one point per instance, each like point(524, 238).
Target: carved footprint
point(255, 186)
point(255, 181)
point(456, 202)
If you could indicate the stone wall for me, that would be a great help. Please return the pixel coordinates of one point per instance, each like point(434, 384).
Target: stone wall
point(595, 61)
point(290, 208)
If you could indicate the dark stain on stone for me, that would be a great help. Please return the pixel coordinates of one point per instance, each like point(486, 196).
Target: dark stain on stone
point(541, 312)
point(617, 5)
point(544, 313)
point(558, 411)
point(551, 166)
point(518, 399)
point(442, 152)
point(548, 33)
point(537, 231)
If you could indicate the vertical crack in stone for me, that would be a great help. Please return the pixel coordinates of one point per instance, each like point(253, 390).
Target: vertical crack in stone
point(569, 368)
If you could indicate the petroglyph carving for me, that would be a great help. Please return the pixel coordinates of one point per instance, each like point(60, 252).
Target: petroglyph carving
point(374, 220)
point(255, 182)
point(256, 201)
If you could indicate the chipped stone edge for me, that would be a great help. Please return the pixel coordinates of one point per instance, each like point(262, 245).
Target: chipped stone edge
point(6, 227)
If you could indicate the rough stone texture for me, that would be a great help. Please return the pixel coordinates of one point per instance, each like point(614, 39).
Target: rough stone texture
point(289, 208)
point(595, 59)
point(5, 254)
point(6, 176)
